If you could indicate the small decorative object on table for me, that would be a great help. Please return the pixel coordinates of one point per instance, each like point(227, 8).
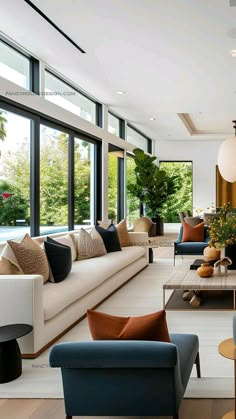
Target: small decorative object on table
point(225, 262)
point(205, 270)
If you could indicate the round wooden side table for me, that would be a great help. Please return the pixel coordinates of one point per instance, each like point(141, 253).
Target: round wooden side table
point(10, 355)
point(228, 350)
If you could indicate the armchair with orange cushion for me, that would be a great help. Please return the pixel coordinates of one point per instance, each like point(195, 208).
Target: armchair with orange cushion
point(191, 240)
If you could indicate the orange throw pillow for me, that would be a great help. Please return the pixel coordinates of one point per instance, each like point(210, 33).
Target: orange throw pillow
point(193, 234)
point(150, 327)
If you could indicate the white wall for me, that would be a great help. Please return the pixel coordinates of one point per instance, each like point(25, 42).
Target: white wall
point(203, 154)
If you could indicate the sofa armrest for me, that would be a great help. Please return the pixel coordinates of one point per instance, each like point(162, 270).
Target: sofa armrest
point(21, 301)
point(139, 239)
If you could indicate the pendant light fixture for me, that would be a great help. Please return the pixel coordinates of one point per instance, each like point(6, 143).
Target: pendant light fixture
point(227, 158)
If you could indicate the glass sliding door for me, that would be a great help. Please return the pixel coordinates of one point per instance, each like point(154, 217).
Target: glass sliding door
point(182, 200)
point(15, 135)
point(83, 183)
point(132, 203)
point(53, 180)
point(115, 183)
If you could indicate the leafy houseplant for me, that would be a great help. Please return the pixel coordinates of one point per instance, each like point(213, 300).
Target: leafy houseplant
point(222, 231)
point(153, 186)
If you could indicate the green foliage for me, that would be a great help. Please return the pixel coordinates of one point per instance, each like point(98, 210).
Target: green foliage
point(133, 203)
point(112, 186)
point(222, 229)
point(182, 200)
point(2, 127)
point(153, 186)
point(14, 207)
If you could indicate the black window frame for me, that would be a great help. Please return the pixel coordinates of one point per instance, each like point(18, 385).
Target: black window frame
point(38, 119)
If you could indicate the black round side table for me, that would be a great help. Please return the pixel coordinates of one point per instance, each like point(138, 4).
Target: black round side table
point(10, 355)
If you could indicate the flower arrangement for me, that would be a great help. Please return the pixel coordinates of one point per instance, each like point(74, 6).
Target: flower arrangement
point(222, 230)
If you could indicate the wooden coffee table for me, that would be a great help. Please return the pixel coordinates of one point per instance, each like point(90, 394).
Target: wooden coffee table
point(228, 350)
point(190, 280)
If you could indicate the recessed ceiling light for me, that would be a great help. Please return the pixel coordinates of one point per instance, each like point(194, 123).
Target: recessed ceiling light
point(152, 119)
point(233, 53)
point(120, 92)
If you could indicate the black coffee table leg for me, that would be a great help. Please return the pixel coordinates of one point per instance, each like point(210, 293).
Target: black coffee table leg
point(150, 252)
point(10, 361)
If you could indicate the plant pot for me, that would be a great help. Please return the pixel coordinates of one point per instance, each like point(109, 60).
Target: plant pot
point(230, 252)
point(159, 225)
point(211, 253)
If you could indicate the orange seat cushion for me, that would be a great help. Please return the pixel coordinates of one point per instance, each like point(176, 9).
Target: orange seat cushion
point(193, 234)
point(107, 327)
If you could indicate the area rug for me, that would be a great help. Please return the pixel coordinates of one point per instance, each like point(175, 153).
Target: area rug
point(140, 296)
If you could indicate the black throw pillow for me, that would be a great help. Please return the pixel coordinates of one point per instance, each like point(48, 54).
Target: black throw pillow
point(59, 258)
point(110, 238)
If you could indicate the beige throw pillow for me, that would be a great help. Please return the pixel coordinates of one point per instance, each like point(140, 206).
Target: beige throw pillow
point(90, 244)
point(143, 224)
point(30, 257)
point(8, 253)
point(7, 267)
point(123, 233)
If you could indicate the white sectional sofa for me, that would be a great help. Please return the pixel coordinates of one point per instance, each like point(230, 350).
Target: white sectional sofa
point(53, 308)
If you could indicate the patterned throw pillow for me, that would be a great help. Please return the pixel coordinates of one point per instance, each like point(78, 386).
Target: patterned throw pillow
point(7, 267)
point(149, 327)
point(30, 257)
point(90, 245)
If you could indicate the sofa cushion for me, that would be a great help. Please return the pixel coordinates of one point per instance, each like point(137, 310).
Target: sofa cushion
point(85, 276)
point(30, 257)
point(142, 224)
point(149, 327)
point(67, 240)
point(7, 267)
point(110, 238)
point(59, 258)
point(193, 234)
point(123, 234)
point(90, 244)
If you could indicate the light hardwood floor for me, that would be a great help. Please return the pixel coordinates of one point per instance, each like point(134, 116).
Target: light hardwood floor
point(54, 409)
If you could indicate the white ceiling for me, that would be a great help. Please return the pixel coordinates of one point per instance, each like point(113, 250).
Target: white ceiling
point(171, 57)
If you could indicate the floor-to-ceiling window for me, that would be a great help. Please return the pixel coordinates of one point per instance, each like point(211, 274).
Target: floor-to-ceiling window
point(132, 203)
point(84, 157)
point(115, 183)
point(182, 200)
point(15, 133)
point(53, 180)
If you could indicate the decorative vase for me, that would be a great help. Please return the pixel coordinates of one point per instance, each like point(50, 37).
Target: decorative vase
point(211, 253)
point(205, 270)
point(230, 252)
point(234, 328)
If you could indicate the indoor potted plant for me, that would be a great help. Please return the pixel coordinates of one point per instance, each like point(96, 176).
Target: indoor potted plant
point(222, 232)
point(153, 187)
